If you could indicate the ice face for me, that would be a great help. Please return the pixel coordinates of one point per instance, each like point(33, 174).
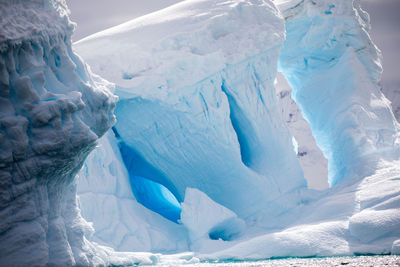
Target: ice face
point(196, 109)
point(151, 194)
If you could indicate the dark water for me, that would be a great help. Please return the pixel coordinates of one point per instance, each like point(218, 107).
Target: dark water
point(390, 260)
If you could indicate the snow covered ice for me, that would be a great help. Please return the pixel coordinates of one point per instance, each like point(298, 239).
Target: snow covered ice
point(204, 162)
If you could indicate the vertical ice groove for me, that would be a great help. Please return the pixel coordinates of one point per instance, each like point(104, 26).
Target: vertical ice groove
point(243, 129)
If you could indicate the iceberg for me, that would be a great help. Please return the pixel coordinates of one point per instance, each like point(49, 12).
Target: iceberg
point(206, 160)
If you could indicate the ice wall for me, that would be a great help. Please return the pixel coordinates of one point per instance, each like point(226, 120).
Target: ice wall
point(334, 70)
point(197, 102)
point(52, 111)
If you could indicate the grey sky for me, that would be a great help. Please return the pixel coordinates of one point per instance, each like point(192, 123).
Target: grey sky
point(385, 32)
point(95, 15)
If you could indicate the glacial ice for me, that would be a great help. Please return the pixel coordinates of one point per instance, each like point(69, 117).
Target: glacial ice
point(199, 110)
point(208, 112)
point(200, 163)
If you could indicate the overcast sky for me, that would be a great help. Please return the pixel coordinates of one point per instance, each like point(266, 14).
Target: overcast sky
point(96, 15)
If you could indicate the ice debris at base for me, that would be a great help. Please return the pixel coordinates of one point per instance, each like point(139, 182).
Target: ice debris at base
point(198, 119)
point(223, 225)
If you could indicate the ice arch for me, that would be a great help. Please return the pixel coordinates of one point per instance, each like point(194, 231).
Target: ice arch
point(143, 180)
point(334, 70)
point(198, 105)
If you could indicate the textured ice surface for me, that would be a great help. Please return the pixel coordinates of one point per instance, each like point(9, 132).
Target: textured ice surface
point(52, 110)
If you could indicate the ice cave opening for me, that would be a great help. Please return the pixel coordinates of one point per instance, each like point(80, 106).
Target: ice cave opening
point(144, 181)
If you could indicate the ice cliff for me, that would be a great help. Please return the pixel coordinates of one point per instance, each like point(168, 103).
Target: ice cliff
point(203, 155)
point(52, 111)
